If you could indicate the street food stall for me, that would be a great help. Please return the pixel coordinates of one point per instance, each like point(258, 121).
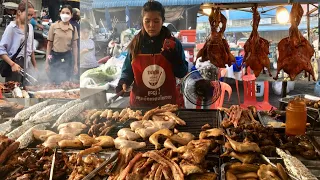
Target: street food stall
point(85, 139)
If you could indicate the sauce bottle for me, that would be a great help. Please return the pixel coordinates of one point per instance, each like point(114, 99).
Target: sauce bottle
point(296, 117)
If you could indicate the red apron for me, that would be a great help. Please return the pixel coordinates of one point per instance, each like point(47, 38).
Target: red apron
point(154, 81)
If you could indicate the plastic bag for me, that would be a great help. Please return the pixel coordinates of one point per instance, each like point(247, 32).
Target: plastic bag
point(277, 87)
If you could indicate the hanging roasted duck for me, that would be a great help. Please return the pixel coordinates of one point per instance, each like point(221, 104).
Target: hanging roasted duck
point(256, 48)
point(295, 51)
point(216, 48)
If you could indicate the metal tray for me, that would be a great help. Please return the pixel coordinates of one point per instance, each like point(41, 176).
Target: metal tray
point(306, 96)
point(224, 167)
point(265, 119)
point(194, 119)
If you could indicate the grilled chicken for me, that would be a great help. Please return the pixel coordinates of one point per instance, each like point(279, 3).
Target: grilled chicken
point(42, 135)
point(126, 133)
point(189, 168)
point(123, 143)
point(104, 141)
point(197, 150)
point(86, 140)
point(182, 138)
point(243, 147)
point(154, 137)
point(215, 132)
point(73, 125)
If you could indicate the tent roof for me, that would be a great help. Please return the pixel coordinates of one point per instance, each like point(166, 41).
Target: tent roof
point(123, 3)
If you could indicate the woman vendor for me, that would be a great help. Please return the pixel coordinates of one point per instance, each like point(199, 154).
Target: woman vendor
point(155, 58)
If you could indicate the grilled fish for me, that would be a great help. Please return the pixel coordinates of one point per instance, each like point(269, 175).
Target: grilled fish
point(295, 166)
point(70, 114)
point(16, 133)
point(27, 137)
point(26, 113)
point(54, 114)
point(45, 111)
point(5, 127)
point(64, 107)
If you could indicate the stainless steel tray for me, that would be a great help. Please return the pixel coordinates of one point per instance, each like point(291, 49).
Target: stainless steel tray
point(265, 120)
point(313, 166)
point(306, 96)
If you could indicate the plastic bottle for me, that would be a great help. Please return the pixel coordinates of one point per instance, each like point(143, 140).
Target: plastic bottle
point(296, 117)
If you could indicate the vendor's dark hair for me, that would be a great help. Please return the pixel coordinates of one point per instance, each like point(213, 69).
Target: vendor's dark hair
point(135, 44)
point(68, 7)
point(85, 25)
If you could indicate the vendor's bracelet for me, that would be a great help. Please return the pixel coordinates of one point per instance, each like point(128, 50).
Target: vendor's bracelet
point(13, 64)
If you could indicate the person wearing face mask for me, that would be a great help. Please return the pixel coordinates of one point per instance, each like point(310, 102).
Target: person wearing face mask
point(62, 48)
point(13, 38)
point(155, 58)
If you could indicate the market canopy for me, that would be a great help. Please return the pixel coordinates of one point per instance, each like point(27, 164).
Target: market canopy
point(86, 5)
point(123, 3)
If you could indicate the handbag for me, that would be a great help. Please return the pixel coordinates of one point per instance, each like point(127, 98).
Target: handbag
point(5, 68)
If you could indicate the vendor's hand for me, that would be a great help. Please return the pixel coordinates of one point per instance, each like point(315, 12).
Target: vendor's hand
point(173, 56)
point(15, 67)
point(84, 51)
point(75, 69)
point(122, 85)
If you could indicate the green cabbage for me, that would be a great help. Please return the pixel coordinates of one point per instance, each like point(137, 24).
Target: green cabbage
point(101, 74)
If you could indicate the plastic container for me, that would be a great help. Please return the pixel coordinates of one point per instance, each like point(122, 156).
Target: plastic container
point(317, 89)
point(188, 35)
point(259, 88)
point(296, 117)
point(237, 66)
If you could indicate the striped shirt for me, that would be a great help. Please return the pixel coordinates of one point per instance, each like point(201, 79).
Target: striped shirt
point(12, 38)
point(88, 59)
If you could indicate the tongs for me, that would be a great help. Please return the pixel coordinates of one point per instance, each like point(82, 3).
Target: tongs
point(275, 166)
point(52, 164)
point(114, 98)
point(23, 73)
point(113, 156)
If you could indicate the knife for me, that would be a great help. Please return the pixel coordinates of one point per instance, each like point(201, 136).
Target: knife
point(112, 157)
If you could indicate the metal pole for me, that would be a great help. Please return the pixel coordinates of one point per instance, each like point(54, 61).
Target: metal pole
point(26, 28)
point(308, 22)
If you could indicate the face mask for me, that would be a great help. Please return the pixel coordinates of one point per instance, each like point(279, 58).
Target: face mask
point(65, 17)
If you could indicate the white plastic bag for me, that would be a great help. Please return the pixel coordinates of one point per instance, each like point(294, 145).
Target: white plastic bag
point(277, 87)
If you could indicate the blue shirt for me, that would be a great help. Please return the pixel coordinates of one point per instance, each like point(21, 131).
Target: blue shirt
point(33, 22)
point(12, 38)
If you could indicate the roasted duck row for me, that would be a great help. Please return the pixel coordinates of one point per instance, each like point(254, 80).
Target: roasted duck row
point(256, 48)
point(216, 48)
point(295, 52)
